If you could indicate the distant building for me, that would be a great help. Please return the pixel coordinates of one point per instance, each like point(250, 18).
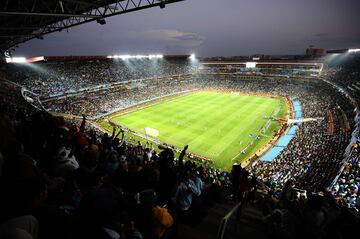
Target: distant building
point(257, 57)
point(315, 52)
point(337, 51)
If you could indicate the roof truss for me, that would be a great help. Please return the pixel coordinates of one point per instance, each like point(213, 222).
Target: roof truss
point(22, 20)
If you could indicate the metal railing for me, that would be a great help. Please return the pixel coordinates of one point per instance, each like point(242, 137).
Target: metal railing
point(229, 221)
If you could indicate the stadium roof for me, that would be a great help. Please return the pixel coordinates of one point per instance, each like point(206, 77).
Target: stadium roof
point(23, 20)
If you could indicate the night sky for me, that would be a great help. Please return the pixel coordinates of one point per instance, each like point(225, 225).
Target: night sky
point(213, 28)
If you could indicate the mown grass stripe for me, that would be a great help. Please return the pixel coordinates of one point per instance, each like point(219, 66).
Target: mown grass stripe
point(212, 123)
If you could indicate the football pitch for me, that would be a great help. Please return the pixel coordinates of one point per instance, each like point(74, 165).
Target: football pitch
point(219, 126)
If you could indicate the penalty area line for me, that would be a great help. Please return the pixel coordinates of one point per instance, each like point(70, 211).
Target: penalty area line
point(235, 156)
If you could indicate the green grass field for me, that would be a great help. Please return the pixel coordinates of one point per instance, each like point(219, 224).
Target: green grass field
point(214, 125)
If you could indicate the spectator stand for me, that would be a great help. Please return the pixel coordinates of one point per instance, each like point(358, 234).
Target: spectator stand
point(284, 140)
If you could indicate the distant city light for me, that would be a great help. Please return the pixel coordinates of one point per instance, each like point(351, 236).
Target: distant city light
point(126, 57)
point(353, 50)
point(15, 60)
point(192, 56)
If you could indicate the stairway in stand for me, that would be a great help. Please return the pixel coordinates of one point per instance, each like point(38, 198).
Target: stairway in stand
point(249, 224)
point(208, 227)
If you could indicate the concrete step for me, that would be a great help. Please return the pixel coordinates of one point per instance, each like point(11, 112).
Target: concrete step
point(209, 225)
point(249, 224)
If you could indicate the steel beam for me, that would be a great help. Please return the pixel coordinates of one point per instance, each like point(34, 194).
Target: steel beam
point(70, 20)
point(44, 14)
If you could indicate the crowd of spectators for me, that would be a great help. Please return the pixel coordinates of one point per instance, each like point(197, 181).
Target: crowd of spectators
point(119, 97)
point(308, 158)
point(92, 183)
point(53, 78)
point(266, 69)
point(347, 75)
point(64, 180)
point(347, 185)
point(125, 95)
point(294, 213)
point(307, 155)
point(313, 156)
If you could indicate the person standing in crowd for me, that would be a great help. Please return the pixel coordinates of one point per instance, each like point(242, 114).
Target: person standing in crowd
point(184, 194)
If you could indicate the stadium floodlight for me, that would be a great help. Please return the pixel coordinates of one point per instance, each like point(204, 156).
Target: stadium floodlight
point(15, 60)
point(250, 64)
point(353, 50)
point(126, 57)
point(139, 56)
point(192, 57)
point(155, 56)
point(35, 59)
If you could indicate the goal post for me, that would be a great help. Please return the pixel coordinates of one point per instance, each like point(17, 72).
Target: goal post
point(151, 132)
